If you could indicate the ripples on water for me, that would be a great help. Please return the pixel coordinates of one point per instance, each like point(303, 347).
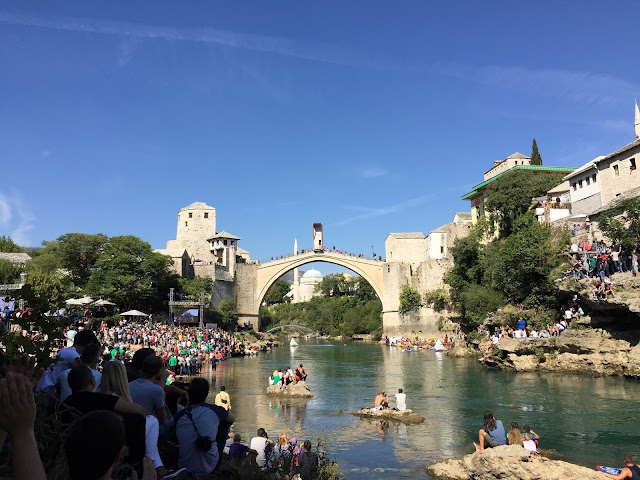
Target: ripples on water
point(588, 420)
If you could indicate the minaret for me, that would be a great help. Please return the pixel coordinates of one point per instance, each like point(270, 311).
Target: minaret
point(637, 121)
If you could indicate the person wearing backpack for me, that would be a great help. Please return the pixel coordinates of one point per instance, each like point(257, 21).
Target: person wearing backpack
point(308, 463)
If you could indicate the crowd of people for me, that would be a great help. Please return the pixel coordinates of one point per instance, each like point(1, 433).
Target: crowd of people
point(331, 250)
point(600, 261)
point(123, 381)
point(287, 376)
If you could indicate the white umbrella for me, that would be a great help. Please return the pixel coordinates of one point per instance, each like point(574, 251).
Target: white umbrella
point(102, 303)
point(133, 313)
point(85, 300)
point(73, 301)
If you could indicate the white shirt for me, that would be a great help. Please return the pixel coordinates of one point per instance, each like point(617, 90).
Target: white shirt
point(50, 377)
point(567, 314)
point(530, 445)
point(401, 399)
point(259, 444)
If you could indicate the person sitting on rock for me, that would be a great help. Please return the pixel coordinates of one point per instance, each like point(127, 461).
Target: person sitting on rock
point(515, 438)
point(300, 374)
point(382, 401)
point(530, 444)
point(491, 435)
point(630, 471)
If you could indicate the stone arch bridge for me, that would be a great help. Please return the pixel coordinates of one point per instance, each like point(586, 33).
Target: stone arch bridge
point(253, 280)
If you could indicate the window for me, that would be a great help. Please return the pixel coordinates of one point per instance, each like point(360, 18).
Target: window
point(575, 186)
point(594, 177)
point(616, 171)
point(588, 181)
point(633, 163)
point(580, 183)
point(442, 250)
point(190, 215)
point(186, 223)
point(225, 243)
point(206, 214)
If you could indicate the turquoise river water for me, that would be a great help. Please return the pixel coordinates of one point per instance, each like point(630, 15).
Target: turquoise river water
point(583, 419)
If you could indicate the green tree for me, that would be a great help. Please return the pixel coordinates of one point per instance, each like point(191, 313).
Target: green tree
point(277, 293)
point(332, 285)
point(621, 222)
point(410, 299)
point(510, 195)
point(131, 274)
point(477, 301)
point(363, 289)
point(9, 272)
point(536, 159)
point(7, 245)
point(439, 299)
point(196, 286)
point(228, 316)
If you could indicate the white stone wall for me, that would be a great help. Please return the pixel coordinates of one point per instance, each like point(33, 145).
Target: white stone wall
point(612, 183)
point(411, 250)
point(584, 185)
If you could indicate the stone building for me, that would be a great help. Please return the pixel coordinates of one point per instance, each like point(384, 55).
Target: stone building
point(517, 161)
point(440, 240)
point(200, 251)
point(303, 288)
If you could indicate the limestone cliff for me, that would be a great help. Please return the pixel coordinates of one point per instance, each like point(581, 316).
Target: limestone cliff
point(605, 342)
point(509, 461)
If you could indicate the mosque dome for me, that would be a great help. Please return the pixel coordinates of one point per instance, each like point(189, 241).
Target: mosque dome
point(313, 273)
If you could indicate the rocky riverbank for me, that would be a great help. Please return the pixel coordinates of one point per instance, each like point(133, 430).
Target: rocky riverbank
point(593, 351)
point(606, 341)
point(509, 461)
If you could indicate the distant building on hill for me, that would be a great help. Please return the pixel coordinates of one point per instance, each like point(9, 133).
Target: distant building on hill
point(517, 161)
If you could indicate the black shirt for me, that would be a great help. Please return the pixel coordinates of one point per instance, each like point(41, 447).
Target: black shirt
point(86, 402)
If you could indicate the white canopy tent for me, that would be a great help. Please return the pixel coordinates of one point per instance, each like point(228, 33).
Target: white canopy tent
point(134, 313)
point(85, 300)
point(103, 303)
point(73, 301)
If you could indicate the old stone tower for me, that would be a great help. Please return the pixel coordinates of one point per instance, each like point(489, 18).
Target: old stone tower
point(196, 224)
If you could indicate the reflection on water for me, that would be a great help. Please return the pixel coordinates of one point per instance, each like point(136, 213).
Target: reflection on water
point(589, 420)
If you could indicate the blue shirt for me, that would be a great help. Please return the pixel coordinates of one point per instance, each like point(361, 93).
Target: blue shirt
point(146, 393)
point(521, 324)
point(497, 434)
point(190, 457)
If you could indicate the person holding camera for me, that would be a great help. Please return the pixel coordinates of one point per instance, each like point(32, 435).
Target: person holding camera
point(197, 428)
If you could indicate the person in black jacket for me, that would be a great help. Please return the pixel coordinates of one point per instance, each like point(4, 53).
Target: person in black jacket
point(308, 463)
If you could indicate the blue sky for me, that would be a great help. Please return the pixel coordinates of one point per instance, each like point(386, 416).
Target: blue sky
point(370, 117)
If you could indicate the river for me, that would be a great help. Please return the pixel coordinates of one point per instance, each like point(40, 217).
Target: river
point(586, 420)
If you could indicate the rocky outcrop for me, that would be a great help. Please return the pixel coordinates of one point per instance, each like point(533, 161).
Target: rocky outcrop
point(293, 390)
point(402, 416)
point(460, 350)
point(592, 351)
point(509, 461)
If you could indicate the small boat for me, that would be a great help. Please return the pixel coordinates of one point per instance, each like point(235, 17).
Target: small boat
point(293, 343)
point(439, 347)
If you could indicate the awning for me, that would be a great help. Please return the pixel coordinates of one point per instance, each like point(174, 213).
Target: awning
point(102, 303)
point(134, 313)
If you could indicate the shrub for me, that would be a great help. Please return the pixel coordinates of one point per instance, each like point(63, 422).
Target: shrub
point(410, 299)
point(477, 300)
point(438, 299)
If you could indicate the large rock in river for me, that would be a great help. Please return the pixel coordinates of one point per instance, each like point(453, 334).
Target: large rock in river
point(508, 461)
point(403, 416)
point(294, 390)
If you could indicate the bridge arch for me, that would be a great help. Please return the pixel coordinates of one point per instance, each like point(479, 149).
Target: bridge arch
point(298, 260)
point(253, 281)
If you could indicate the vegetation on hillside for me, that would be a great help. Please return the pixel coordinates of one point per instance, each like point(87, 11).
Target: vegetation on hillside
point(515, 268)
point(347, 306)
point(510, 195)
point(621, 222)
